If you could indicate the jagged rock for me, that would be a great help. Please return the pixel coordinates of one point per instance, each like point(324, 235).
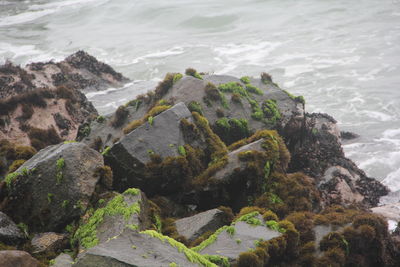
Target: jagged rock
point(193, 227)
point(10, 234)
point(192, 90)
point(14, 258)
point(79, 70)
point(48, 242)
point(127, 211)
point(54, 187)
point(240, 237)
point(63, 260)
point(316, 150)
point(348, 135)
point(137, 249)
point(46, 95)
point(162, 138)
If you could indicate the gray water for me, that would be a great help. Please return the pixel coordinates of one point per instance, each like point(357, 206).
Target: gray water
point(343, 56)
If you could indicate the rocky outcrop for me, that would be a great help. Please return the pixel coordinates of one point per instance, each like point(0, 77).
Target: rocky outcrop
point(10, 234)
point(46, 98)
point(54, 187)
point(195, 226)
point(317, 151)
point(13, 258)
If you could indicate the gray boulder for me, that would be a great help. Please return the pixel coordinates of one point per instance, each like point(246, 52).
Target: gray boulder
point(10, 234)
point(63, 260)
point(54, 187)
point(162, 137)
point(193, 227)
point(140, 250)
point(240, 237)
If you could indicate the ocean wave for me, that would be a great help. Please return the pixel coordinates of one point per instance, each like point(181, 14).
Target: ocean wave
point(38, 11)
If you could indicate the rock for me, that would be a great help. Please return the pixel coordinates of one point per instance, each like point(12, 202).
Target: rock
point(54, 187)
point(127, 211)
point(49, 242)
point(348, 135)
point(240, 237)
point(163, 138)
point(190, 90)
point(10, 234)
point(14, 258)
point(63, 260)
point(316, 150)
point(46, 95)
point(141, 250)
point(193, 227)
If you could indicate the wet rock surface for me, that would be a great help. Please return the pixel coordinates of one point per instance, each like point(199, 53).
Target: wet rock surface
point(10, 234)
point(195, 226)
point(54, 187)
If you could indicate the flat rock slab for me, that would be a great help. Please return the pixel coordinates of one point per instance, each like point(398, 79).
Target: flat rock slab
point(194, 226)
point(156, 138)
point(133, 249)
point(242, 240)
point(10, 234)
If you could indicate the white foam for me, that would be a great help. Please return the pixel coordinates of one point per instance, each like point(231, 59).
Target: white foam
point(377, 115)
point(392, 225)
point(107, 91)
point(393, 180)
point(390, 133)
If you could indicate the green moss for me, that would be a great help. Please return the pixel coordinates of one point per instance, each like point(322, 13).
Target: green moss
point(230, 230)
point(299, 99)
point(231, 130)
point(250, 218)
point(182, 151)
point(190, 254)
point(274, 225)
point(224, 101)
point(100, 119)
point(253, 89)
point(49, 197)
point(150, 119)
point(87, 232)
point(106, 150)
point(271, 111)
point(177, 77)
point(233, 87)
point(192, 72)
point(60, 164)
point(65, 204)
point(245, 79)
point(12, 177)
point(15, 165)
point(132, 191)
point(24, 228)
point(257, 113)
point(218, 260)
point(211, 239)
point(133, 227)
point(69, 142)
point(134, 103)
point(173, 264)
point(195, 106)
